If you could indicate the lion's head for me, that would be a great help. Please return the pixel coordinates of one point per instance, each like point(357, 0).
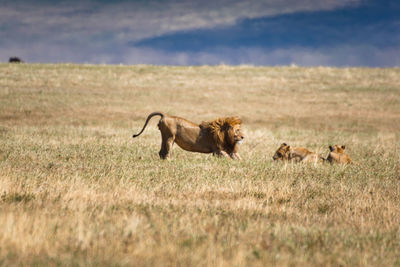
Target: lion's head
point(226, 132)
point(337, 149)
point(282, 153)
point(338, 155)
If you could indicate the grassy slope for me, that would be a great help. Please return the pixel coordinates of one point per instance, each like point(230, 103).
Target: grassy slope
point(75, 188)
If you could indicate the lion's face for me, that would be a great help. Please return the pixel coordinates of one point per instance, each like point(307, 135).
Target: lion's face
point(282, 153)
point(337, 149)
point(226, 132)
point(237, 134)
point(230, 132)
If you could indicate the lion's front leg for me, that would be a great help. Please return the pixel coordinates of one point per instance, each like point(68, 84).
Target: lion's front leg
point(221, 153)
point(235, 156)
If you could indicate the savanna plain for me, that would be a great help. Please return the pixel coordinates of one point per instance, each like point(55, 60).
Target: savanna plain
point(77, 189)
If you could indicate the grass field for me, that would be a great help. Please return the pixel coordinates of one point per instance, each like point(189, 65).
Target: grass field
point(76, 189)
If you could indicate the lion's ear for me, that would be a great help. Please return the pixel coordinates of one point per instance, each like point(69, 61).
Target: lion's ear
point(284, 144)
point(343, 147)
point(331, 148)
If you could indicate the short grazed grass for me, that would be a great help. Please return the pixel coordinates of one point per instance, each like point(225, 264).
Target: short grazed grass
point(76, 189)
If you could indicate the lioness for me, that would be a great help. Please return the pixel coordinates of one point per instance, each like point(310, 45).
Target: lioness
point(337, 155)
point(296, 154)
point(220, 136)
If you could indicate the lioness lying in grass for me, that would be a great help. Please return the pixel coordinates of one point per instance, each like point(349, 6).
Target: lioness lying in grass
point(297, 154)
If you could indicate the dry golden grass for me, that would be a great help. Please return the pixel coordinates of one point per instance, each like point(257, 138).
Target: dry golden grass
point(76, 189)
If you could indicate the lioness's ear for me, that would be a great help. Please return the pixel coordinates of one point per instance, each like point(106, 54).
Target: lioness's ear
point(331, 148)
point(284, 144)
point(343, 147)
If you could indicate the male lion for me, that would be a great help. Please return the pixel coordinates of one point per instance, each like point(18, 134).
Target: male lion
point(296, 154)
point(220, 136)
point(337, 155)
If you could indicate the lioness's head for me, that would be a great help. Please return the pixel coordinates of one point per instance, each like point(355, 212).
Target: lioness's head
point(337, 149)
point(337, 155)
point(282, 153)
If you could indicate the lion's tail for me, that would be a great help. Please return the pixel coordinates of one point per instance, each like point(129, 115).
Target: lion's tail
point(147, 120)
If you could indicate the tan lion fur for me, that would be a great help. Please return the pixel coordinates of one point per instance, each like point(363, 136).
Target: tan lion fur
point(297, 154)
point(219, 129)
point(220, 136)
point(337, 155)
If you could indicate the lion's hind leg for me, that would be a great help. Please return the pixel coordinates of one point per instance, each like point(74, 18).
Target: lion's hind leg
point(166, 145)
